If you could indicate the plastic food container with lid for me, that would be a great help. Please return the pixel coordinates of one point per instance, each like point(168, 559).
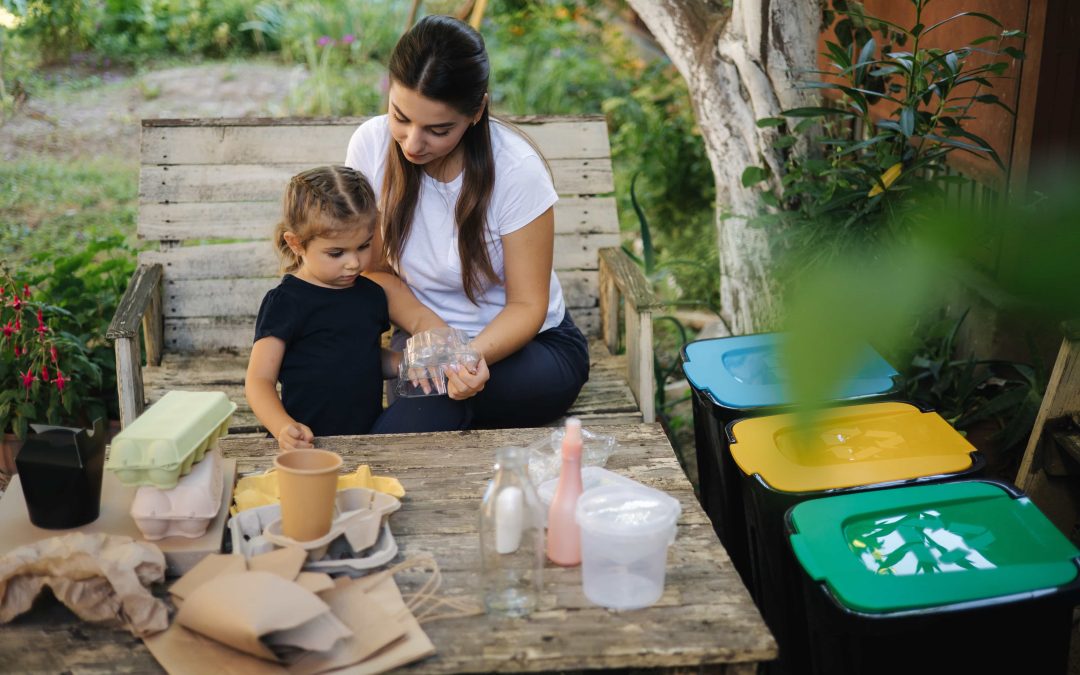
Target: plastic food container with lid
point(962, 577)
point(739, 377)
point(165, 441)
point(625, 534)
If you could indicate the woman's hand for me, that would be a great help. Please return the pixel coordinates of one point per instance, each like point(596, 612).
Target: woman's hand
point(295, 436)
point(461, 383)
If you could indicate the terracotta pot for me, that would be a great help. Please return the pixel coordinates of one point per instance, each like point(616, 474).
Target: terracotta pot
point(307, 486)
point(10, 447)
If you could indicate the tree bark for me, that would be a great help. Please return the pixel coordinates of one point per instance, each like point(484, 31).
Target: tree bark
point(740, 64)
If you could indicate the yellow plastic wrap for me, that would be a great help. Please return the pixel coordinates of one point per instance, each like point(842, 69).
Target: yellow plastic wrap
point(262, 489)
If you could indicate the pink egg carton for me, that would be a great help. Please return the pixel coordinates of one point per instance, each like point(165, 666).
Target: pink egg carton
point(185, 510)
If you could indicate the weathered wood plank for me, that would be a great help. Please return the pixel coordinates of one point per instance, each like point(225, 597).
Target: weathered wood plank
point(326, 143)
point(184, 221)
point(241, 297)
point(129, 380)
point(133, 304)
point(255, 259)
point(629, 279)
point(266, 182)
point(226, 333)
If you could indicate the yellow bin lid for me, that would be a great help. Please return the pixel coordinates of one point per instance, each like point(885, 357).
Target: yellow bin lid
point(848, 447)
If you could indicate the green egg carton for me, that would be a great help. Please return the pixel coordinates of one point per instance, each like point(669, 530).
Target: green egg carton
point(165, 441)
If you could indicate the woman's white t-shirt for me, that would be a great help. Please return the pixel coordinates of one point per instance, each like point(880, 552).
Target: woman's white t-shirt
point(430, 263)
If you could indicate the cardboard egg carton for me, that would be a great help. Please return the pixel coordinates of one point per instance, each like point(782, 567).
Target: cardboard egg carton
point(187, 509)
point(172, 435)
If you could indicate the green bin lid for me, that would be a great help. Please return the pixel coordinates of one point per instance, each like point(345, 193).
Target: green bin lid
point(929, 546)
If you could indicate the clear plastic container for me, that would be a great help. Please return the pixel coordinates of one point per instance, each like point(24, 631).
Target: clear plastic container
point(625, 534)
point(427, 355)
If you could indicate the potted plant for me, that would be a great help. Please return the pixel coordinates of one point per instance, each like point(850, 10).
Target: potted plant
point(45, 378)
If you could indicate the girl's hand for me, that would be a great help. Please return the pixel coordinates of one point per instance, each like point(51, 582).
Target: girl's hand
point(462, 383)
point(295, 437)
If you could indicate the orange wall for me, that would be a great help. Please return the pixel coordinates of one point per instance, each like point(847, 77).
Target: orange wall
point(992, 122)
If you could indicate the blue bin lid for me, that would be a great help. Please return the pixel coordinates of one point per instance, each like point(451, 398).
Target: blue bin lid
point(931, 546)
point(743, 372)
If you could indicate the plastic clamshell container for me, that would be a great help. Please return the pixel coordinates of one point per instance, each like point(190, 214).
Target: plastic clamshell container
point(846, 447)
point(185, 510)
point(247, 527)
point(929, 546)
point(625, 534)
point(744, 372)
point(591, 477)
point(165, 441)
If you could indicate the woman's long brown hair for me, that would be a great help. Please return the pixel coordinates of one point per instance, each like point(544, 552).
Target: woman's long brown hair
point(444, 59)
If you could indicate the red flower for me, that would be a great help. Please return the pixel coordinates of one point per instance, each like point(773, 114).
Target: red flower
point(28, 379)
point(18, 324)
point(41, 330)
point(60, 380)
point(16, 350)
point(44, 374)
point(52, 353)
point(26, 291)
point(16, 303)
point(2, 291)
point(40, 317)
point(8, 329)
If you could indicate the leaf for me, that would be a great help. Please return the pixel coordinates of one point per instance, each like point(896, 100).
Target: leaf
point(784, 142)
point(979, 15)
point(643, 223)
point(1015, 53)
point(865, 55)
point(817, 112)
point(770, 122)
point(770, 199)
point(752, 175)
point(907, 122)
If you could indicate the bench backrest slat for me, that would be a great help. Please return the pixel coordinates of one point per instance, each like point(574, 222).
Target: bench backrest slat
point(210, 193)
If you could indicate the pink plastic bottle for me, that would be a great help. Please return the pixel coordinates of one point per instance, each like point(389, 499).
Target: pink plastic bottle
point(564, 535)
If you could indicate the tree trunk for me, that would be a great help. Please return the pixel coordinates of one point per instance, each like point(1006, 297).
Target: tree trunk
point(740, 64)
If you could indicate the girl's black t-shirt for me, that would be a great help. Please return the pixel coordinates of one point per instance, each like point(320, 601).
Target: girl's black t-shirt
point(331, 377)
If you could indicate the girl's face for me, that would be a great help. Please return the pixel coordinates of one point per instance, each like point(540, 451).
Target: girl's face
point(334, 261)
point(425, 129)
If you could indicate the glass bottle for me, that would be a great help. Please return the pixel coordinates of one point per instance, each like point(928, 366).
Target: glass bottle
point(511, 537)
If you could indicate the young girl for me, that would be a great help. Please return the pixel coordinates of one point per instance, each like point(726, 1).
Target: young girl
point(319, 331)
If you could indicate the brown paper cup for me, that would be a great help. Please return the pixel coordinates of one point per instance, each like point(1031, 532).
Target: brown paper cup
point(307, 485)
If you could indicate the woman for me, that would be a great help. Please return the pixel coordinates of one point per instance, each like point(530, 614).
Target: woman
point(466, 220)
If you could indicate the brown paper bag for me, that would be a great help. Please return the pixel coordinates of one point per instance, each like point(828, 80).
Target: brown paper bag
point(261, 614)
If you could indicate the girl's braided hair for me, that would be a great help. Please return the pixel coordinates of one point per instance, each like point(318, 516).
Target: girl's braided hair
point(327, 200)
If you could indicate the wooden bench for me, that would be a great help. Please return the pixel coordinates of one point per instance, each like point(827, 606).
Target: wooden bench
point(210, 194)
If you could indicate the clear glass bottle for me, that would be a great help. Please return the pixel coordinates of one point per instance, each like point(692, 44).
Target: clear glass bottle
point(511, 537)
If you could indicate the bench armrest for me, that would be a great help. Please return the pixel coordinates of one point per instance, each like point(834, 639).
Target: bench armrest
point(621, 278)
point(140, 305)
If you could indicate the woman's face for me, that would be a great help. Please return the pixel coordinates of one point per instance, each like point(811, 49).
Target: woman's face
point(425, 129)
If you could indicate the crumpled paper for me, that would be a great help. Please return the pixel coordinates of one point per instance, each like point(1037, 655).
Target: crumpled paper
point(99, 577)
point(262, 489)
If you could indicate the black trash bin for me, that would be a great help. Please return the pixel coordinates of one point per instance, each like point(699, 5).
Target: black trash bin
point(963, 577)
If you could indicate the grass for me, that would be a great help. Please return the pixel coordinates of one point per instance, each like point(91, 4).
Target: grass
point(54, 205)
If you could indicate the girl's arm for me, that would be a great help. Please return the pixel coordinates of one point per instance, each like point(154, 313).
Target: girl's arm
point(260, 388)
point(527, 255)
